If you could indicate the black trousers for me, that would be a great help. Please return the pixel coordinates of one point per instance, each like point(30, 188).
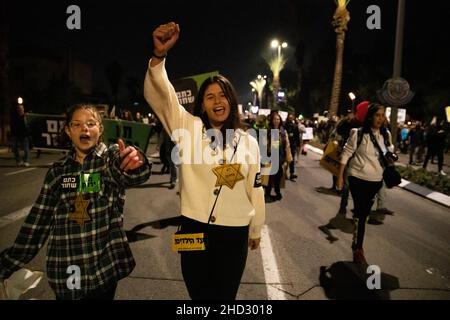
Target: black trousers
point(275, 181)
point(215, 274)
point(431, 153)
point(363, 194)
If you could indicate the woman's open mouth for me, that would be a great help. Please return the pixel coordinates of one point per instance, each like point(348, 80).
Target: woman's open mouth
point(220, 111)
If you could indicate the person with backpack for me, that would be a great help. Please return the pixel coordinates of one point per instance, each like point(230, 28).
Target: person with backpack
point(365, 170)
point(353, 120)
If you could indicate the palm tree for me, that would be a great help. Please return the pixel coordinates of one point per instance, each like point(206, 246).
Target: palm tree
point(276, 64)
point(341, 18)
point(4, 64)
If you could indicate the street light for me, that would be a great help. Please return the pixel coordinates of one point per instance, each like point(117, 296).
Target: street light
point(19, 100)
point(352, 97)
point(254, 109)
point(275, 44)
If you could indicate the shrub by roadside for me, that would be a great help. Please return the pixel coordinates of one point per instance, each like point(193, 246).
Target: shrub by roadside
point(430, 180)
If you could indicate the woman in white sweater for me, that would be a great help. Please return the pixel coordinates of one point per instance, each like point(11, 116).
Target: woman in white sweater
point(221, 194)
point(365, 170)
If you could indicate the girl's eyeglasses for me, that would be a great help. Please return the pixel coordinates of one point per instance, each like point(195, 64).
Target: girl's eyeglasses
point(78, 124)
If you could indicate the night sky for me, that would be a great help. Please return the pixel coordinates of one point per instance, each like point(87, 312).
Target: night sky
point(228, 36)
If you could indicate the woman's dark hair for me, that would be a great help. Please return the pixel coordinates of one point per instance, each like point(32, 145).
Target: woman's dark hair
point(271, 116)
point(372, 109)
point(65, 140)
point(233, 121)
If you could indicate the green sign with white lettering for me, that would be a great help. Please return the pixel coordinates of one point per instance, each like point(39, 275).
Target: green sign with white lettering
point(46, 130)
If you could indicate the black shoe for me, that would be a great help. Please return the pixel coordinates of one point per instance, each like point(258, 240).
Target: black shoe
point(293, 176)
point(374, 221)
point(172, 185)
point(385, 211)
point(278, 197)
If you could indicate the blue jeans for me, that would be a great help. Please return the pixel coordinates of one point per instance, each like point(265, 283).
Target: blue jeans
point(25, 142)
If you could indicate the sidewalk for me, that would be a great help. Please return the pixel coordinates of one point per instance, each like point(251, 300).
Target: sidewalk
point(412, 187)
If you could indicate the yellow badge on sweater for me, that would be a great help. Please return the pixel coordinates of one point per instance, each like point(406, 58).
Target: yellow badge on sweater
point(228, 174)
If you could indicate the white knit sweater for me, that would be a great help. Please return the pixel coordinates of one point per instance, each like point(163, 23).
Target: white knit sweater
point(365, 164)
point(244, 204)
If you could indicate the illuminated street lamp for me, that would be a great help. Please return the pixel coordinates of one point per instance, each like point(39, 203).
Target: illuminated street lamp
point(352, 97)
point(19, 100)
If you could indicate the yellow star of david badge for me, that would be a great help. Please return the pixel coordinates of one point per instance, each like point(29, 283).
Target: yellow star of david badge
point(80, 214)
point(228, 175)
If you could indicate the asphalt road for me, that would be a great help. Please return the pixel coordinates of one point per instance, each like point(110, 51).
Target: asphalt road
point(297, 260)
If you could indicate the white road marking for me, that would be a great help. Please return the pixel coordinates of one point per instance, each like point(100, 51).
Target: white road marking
point(270, 267)
point(14, 216)
point(20, 171)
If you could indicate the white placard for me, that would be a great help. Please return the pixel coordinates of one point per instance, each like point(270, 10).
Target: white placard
point(265, 112)
point(401, 115)
point(283, 115)
point(309, 134)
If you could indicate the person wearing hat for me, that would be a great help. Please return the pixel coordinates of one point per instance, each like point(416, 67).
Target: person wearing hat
point(354, 119)
point(365, 172)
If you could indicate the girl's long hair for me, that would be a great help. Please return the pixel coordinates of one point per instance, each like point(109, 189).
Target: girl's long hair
point(233, 120)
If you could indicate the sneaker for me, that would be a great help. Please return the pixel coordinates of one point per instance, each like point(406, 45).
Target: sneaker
point(385, 211)
point(442, 173)
point(26, 164)
point(20, 163)
point(358, 256)
point(172, 185)
point(293, 176)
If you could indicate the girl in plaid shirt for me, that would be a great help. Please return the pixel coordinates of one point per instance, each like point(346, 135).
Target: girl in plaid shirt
point(80, 212)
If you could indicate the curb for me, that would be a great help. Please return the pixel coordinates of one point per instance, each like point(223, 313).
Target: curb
point(434, 196)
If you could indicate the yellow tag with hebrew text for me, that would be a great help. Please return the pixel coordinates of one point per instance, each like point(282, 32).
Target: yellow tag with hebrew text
point(188, 242)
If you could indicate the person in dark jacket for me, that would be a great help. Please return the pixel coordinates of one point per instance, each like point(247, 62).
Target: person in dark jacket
point(435, 146)
point(293, 132)
point(20, 135)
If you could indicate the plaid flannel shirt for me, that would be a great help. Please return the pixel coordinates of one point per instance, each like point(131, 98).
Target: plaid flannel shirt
point(100, 247)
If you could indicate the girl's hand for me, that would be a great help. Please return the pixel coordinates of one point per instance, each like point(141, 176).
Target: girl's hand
point(164, 38)
point(132, 158)
point(254, 243)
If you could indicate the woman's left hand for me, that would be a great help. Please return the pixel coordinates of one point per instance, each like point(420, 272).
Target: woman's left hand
point(254, 243)
point(131, 158)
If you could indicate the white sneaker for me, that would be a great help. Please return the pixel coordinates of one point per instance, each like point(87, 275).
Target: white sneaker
point(26, 164)
point(442, 173)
